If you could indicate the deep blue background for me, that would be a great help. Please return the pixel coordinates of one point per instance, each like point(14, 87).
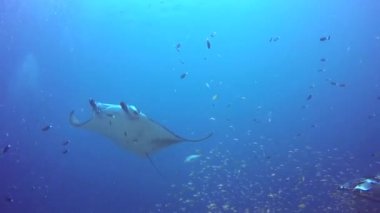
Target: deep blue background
point(272, 150)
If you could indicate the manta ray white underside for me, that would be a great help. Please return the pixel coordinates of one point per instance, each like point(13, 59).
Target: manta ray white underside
point(130, 128)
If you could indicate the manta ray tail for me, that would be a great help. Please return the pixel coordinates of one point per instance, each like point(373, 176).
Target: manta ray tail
point(199, 139)
point(154, 165)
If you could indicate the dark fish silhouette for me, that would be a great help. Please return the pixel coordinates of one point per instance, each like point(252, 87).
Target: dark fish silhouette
point(324, 38)
point(333, 83)
point(323, 60)
point(46, 128)
point(66, 142)
point(9, 199)
point(6, 149)
point(309, 97)
point(342, 85)
point(178, 46)
point(183, 75)
point(65, 151)
point(371, 116)
point(208, 44)
point(274, 39)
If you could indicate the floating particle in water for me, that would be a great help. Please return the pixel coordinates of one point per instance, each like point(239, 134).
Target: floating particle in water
point(302, 206)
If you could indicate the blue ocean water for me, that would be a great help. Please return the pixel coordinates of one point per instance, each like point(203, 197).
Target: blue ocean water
point(290, 90)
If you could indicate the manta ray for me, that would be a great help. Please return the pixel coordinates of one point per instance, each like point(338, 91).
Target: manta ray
point(130, 128)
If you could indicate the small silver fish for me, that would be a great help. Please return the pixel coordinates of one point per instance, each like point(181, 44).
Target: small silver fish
point(191, 158)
